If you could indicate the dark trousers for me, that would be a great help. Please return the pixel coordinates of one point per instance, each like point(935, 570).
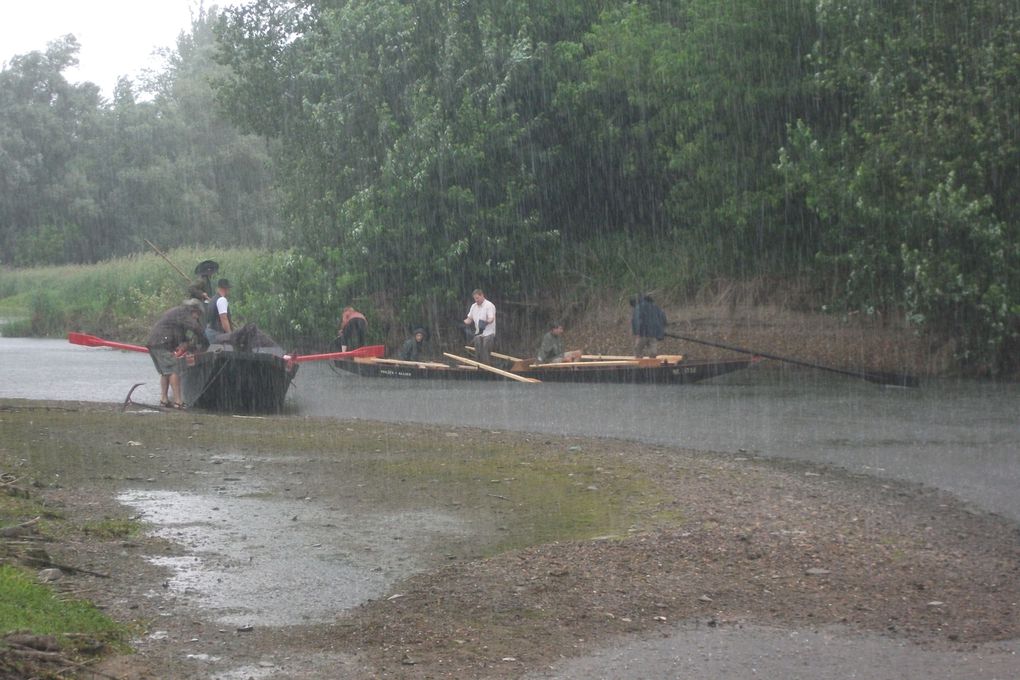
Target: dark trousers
point(483, 347)
point(354, 334)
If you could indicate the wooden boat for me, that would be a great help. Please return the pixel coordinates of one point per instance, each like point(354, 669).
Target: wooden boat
point(672, 369)
point(237, 382)
point(251, 377)
point(660, 370)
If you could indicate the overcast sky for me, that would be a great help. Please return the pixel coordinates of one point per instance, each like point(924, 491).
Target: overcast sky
point(117, 37)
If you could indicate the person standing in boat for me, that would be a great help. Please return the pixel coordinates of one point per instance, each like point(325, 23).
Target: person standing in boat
point(201, 288)
point(352, 329)
point(553, 350)
point(482, 319)
point(218, 320)
point(169, 340)
point(648, 324)
point(415, 348)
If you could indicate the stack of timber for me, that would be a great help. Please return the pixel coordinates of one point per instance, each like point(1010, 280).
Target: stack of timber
point(414, 370)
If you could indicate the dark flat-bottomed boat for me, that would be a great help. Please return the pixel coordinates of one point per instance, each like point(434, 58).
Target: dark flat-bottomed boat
point(237, 382)
point(664, 370)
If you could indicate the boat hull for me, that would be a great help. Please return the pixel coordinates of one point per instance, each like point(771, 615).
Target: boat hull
point(681, 373)
point(237, 382)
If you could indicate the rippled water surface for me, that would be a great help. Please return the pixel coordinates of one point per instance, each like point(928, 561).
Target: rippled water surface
point(959, 436)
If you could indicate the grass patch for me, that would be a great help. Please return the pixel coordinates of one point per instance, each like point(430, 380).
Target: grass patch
point(537, 499)
point(110, 528)
point(31, 607)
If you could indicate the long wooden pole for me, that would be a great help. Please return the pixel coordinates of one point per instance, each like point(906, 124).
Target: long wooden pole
point(880, 377)
point(163, 255)
point(491, 369)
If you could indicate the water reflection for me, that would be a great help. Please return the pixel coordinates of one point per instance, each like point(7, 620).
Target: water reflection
point(276, 562)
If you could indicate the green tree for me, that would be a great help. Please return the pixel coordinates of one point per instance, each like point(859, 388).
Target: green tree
point(404, 140)
point(910, 169)
point(47, 202)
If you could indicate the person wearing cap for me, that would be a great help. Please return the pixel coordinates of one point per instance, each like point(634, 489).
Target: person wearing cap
point(415, 349)
point(177, 331)
point(218, 321)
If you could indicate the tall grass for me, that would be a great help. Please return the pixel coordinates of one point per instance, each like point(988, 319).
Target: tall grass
point(120, 298)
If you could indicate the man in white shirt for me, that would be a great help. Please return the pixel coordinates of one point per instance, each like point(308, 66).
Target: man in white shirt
point(219, 324)
point(482, 318)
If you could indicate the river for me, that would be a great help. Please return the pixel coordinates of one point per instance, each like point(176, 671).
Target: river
point(958, 436)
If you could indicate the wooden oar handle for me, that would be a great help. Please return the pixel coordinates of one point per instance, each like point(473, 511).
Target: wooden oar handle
point(360, 352)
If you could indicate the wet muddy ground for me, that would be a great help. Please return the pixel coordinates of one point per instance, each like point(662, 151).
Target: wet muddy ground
point(311, 548)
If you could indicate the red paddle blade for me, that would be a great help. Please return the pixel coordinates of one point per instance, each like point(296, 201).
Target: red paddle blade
point(92, 341)
point(362, 352)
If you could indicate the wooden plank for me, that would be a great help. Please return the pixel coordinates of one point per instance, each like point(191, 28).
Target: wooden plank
point(504, 357)
point(633, 363)
point(491, 369)
point(426, 364)
point(664, 358)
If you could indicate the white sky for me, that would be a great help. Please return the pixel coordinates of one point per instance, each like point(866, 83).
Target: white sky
point(117, 37)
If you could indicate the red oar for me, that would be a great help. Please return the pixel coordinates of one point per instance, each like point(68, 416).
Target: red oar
point(93, 341)
point(368, 351)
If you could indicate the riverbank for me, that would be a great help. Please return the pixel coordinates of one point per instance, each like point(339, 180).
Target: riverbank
point(776, 320)
point(553, 547)
point(121, 299)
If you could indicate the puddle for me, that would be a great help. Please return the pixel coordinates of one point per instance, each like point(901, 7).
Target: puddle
point(256, 561)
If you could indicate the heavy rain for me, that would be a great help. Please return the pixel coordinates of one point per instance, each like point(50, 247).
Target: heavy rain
point(517, 340)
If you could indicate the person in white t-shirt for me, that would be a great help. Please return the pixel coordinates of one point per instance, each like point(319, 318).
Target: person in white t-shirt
point(482, 319)
point(219, 324)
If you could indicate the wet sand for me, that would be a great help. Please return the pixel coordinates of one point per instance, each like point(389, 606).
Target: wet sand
point(311, 548)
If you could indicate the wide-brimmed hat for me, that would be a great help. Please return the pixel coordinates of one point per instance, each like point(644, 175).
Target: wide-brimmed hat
point(207, 268)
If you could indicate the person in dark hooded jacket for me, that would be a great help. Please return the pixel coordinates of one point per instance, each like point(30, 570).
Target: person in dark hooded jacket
point(416, 347)
point(648, 324)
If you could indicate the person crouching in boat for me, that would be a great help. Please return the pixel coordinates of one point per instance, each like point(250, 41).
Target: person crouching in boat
point(169, 340)
point(415, 347)
point(552, 349)
point(352, 329)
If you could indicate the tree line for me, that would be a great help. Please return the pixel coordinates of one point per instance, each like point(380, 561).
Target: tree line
point(83, 178)
point(425, 148)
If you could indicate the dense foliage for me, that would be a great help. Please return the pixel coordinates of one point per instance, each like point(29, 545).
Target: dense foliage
point(430, 147)
point(83, 179)
point(422, 149)
point(910, 172)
